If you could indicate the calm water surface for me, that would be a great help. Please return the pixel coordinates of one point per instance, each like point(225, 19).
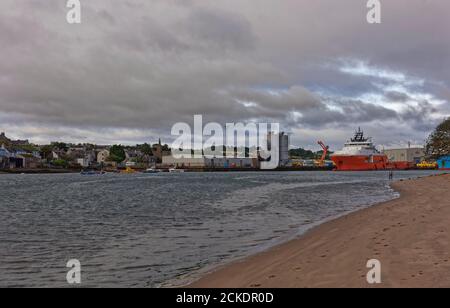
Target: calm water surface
point(153, 230)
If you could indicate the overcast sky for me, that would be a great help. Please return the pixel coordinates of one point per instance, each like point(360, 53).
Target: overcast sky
point(132, 69)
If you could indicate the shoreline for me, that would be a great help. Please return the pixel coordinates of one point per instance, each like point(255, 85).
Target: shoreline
point(194, 170)
point(410, 236)
point(39, 171)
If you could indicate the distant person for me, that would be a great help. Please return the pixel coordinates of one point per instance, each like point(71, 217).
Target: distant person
point(391, 175)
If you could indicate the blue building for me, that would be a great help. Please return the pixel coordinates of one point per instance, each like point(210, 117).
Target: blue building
point(5, 156)
point(444, 162)
point(9, 160)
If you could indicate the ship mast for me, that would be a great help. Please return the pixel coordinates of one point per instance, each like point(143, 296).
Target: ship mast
point(359, 136)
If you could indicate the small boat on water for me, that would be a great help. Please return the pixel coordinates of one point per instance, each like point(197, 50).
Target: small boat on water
point(152, 171)
point(176, 170)
point(92, 172)
point(128, 170)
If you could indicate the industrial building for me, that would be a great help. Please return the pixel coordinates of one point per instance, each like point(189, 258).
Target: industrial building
point(284, 159)
point(409, 155)
point(231, 162)
point(204, 162)
point(444, 163)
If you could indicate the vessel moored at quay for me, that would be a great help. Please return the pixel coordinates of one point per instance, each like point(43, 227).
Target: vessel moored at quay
point(360, 154)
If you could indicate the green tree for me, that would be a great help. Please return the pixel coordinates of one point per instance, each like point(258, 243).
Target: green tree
point(60, 163)
point(145, 149)
point(328, 156)
point(438, 143)
point(60, 146)
point(26, 147)
point(302, 153)
point(117, 153)
point(46, 151)
point(165, 147)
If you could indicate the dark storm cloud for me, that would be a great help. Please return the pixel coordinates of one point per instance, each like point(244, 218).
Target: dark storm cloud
point(223, 29)
point(143, 65)
point(397, 96)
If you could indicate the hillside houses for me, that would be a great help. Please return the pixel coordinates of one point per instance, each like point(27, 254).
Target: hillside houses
point(16, 154)
point(18, 159)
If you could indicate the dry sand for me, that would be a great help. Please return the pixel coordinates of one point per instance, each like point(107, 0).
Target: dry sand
point(410, 236)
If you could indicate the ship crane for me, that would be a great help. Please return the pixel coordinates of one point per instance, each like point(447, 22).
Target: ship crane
point(324, 154)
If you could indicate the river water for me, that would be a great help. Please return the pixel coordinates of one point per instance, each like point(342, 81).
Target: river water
point(163, 229)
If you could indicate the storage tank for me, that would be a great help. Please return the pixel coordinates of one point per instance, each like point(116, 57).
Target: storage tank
point(284, 149)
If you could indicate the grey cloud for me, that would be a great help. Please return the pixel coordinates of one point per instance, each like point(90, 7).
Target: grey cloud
point(396, 96)
point(107, 17)
point(143, 65)
point(226, 30)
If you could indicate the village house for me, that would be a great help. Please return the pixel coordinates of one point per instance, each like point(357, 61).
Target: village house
point(58, 154)
point(12, 157)
point(30, 161)
point(5, 156)
point(136, 158)
point(81, 155)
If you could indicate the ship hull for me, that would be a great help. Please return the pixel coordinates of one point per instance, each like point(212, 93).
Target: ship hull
point(360, 162)
point(367, 163)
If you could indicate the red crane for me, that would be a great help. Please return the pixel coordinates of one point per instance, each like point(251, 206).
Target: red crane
point(325, 152)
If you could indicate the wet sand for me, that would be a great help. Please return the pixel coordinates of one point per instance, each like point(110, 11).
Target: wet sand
point(410, 236)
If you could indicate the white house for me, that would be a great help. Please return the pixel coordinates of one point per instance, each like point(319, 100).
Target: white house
point(83, 162)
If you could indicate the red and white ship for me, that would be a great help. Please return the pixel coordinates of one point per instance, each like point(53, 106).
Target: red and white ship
point(360, 154)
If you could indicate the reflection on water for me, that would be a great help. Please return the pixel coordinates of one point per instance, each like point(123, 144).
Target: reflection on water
point(147, 230)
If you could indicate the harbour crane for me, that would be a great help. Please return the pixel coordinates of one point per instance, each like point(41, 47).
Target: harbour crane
point(325, 148)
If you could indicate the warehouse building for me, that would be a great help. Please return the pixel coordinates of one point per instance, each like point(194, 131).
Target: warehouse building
point(409, 155)
point(444, 163)
point(204, 162)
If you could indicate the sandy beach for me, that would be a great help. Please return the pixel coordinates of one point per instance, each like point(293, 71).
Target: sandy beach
point(410, 236)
